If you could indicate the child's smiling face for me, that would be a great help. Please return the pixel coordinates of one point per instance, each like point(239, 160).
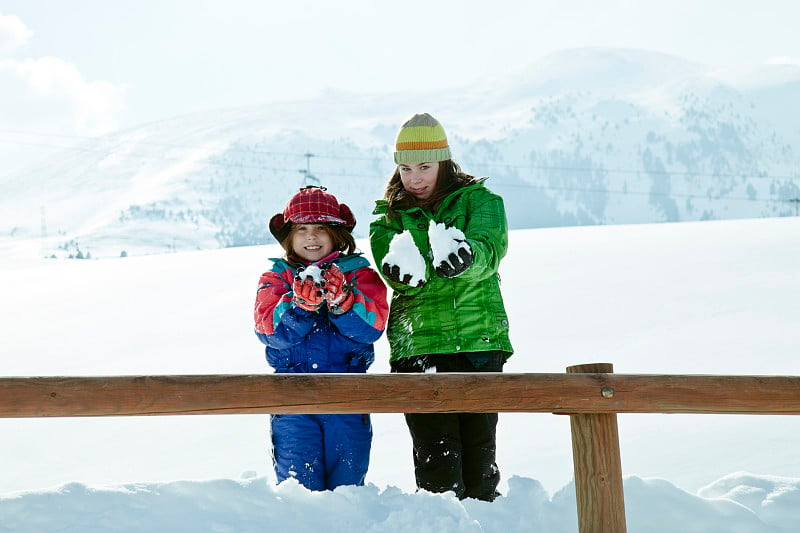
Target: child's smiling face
point(312, 242)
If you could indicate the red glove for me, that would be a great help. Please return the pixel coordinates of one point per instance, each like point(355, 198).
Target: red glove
point(306, 294)
point(339, 293)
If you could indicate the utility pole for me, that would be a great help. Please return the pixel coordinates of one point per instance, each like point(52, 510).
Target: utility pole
point(796, 202)
point(43, 242)
point(308, 177)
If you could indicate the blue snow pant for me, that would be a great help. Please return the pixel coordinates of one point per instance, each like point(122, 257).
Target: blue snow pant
point(455, 451)
point(321, 451)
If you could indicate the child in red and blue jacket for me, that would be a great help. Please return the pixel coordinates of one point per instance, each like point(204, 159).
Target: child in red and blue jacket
point(319, 309)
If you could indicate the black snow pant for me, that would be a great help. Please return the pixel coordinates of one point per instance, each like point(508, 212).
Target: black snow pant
point(454, 451)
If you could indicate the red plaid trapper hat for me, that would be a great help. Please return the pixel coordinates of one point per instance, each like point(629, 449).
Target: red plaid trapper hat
point(311, 205)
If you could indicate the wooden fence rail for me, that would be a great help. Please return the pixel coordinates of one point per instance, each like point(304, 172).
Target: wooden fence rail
point(578, 393)
point(591, 394)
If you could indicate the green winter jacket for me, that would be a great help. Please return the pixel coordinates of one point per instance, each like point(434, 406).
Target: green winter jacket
point(448, 315)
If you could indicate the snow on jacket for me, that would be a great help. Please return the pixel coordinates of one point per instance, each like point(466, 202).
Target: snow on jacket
point(448, 315)
point(300, 341)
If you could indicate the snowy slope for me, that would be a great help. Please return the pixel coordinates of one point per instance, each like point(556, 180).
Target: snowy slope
point(707, 297)
point(711, 297)
point(754, 504)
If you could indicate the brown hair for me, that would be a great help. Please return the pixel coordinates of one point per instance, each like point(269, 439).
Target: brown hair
point(343, 241)
point(448, 178)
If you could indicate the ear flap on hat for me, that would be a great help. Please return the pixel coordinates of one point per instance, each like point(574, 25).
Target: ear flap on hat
point(347, 215)
point(279, 228)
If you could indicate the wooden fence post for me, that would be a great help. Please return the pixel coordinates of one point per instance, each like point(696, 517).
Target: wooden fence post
point(597, 463)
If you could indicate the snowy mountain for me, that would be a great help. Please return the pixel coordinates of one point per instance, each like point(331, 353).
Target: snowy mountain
point(583, 136)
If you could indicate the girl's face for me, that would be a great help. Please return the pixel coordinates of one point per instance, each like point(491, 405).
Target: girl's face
point(312, 242)
point(419, 178)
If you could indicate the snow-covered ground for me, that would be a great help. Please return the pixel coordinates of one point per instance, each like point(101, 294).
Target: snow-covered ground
point(707, 297)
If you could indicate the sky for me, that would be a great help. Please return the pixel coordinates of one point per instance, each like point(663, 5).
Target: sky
point(715, 297)
point(88, 67)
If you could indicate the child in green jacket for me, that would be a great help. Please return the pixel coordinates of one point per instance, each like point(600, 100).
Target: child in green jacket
point(439, 238)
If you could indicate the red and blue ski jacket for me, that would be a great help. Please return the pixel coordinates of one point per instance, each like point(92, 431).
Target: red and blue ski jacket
point(300, 341)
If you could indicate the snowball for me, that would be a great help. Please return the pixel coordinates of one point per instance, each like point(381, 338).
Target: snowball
point(405, 254)
point(312, 272)
point(445, 241)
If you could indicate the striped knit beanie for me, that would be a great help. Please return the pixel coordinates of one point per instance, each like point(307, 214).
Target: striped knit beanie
point(421, 140)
